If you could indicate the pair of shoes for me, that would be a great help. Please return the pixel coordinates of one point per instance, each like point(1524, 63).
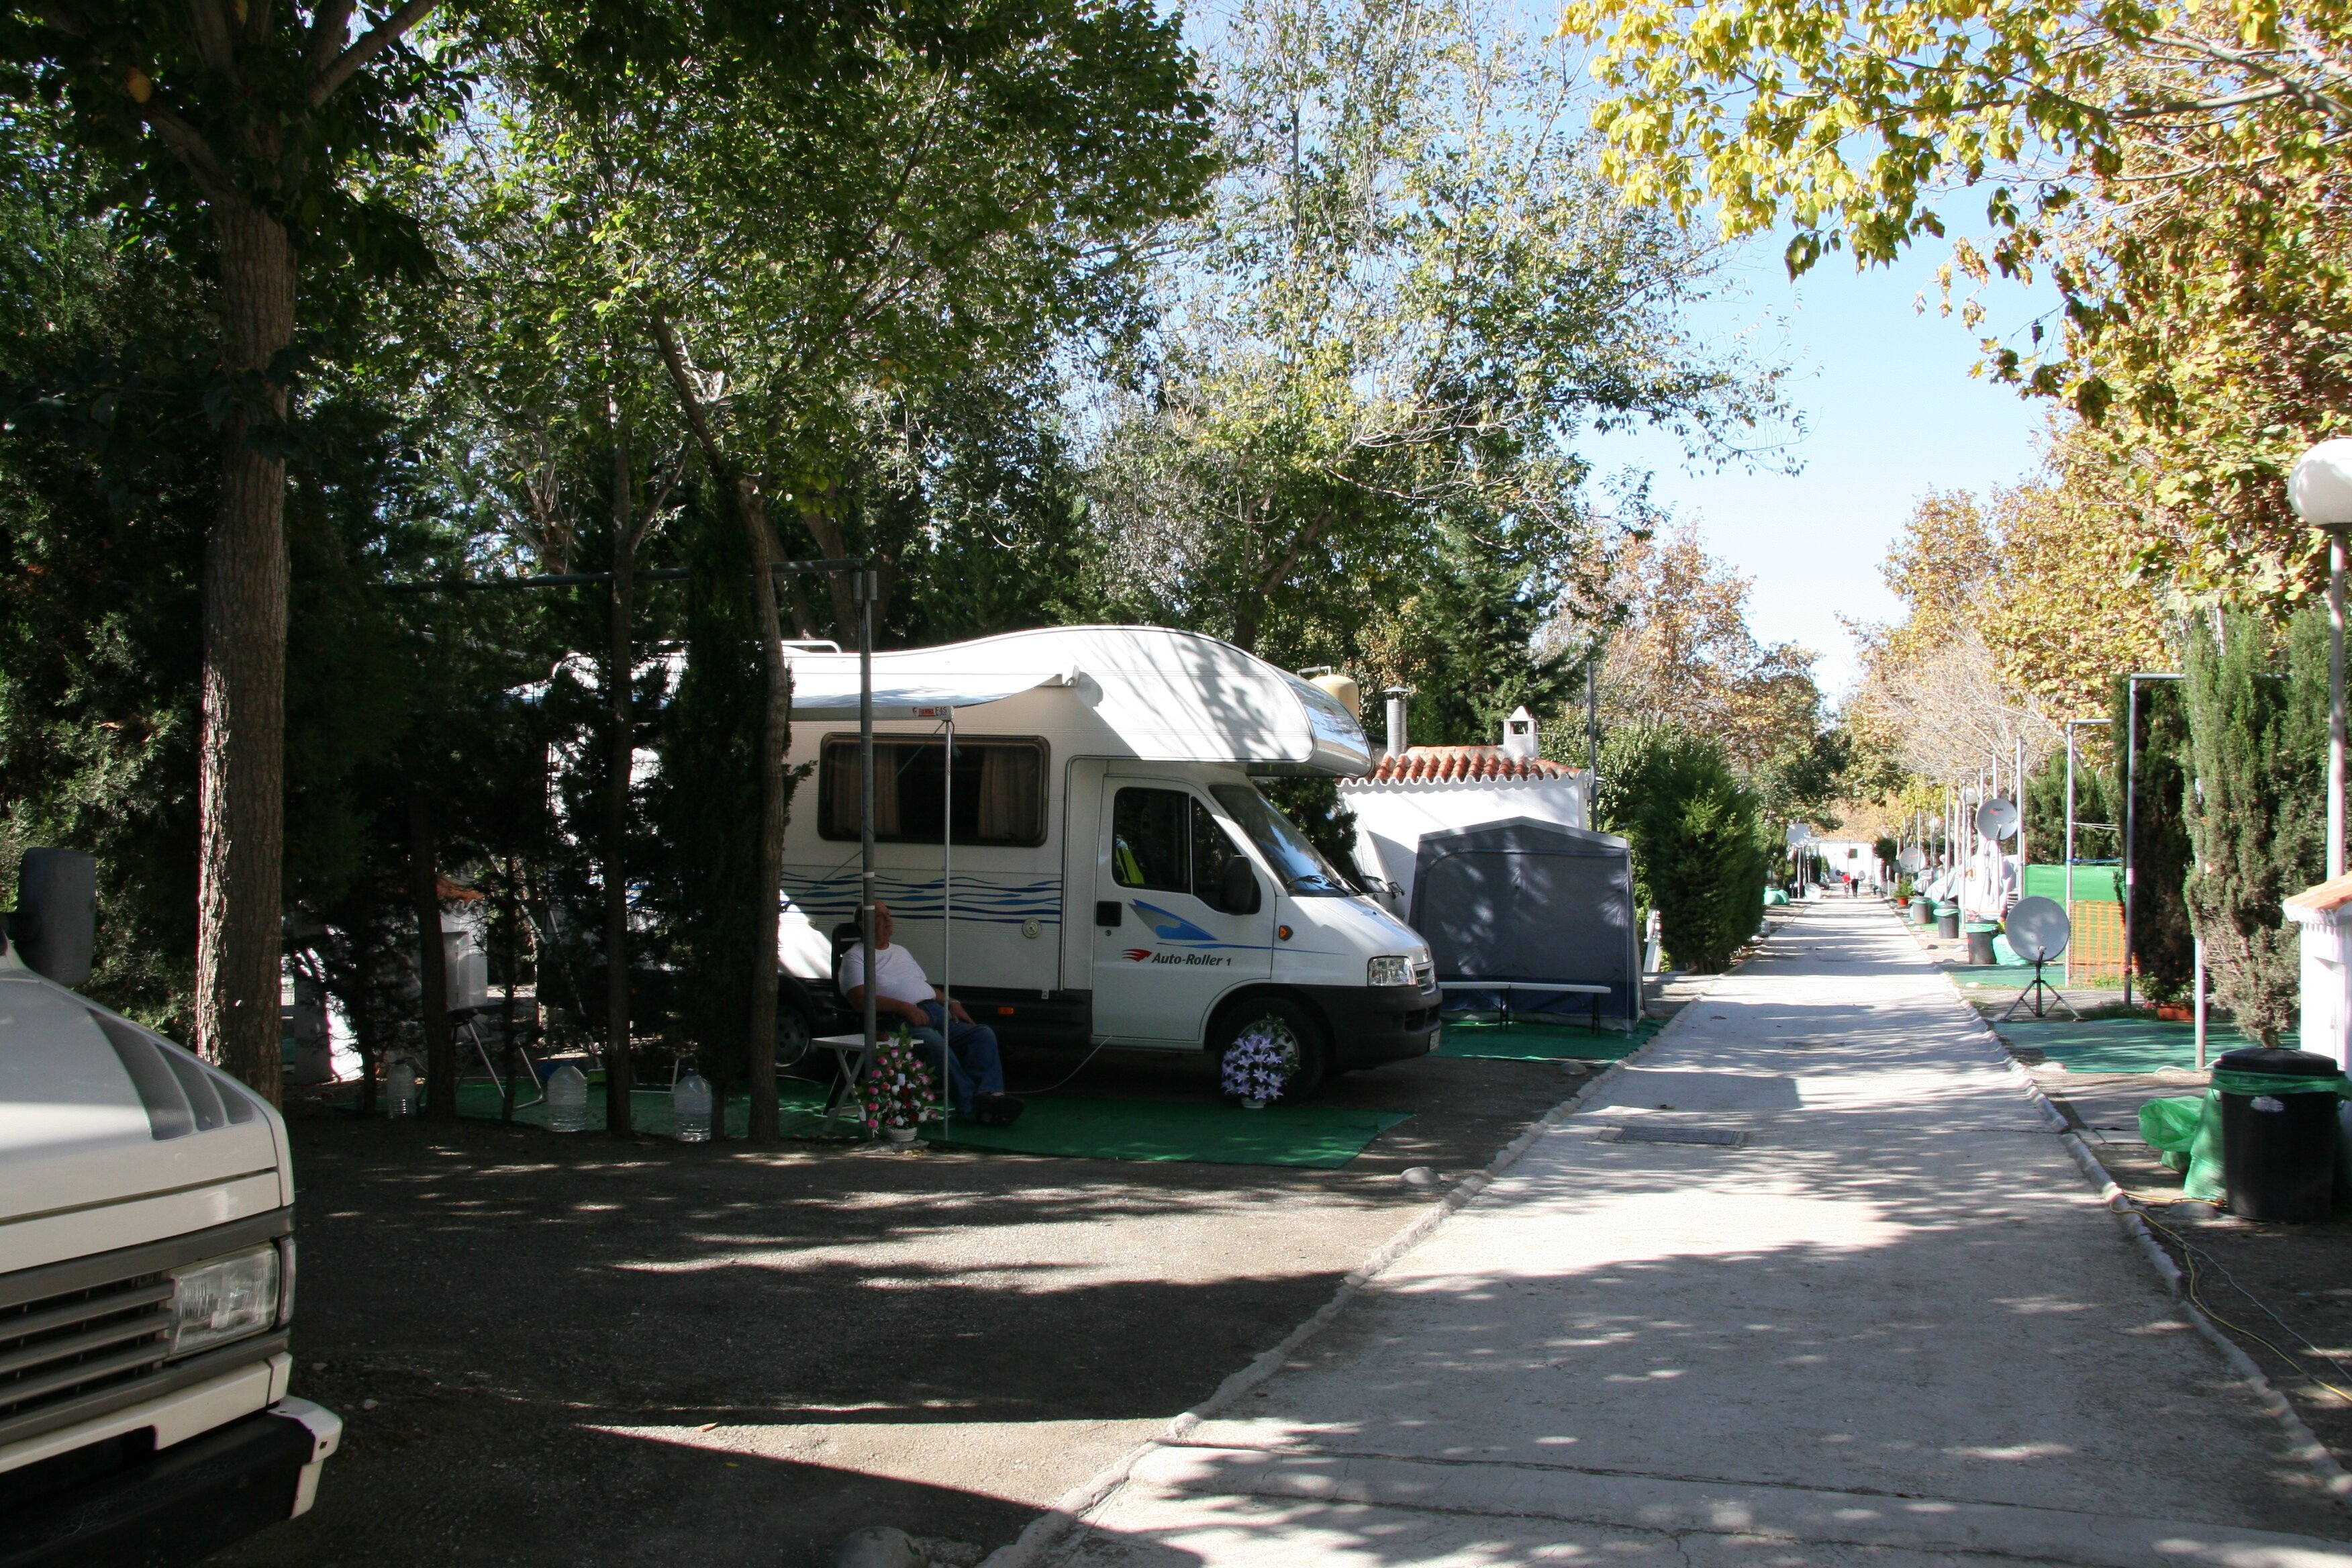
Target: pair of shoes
point(997, 1109)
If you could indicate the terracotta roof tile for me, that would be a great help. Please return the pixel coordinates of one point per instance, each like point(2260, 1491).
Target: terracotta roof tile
point(1460, 764)
point(2327, 898)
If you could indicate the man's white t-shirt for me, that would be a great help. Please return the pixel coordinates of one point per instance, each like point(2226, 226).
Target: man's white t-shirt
point(897, 974)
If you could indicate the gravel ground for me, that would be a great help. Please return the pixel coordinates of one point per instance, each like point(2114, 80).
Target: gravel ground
point(564, 1350)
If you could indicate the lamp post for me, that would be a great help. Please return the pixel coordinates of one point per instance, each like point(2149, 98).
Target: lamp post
point(2320, 490)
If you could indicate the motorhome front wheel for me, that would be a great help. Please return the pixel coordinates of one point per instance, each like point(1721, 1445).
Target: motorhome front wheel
point(1286, 1021)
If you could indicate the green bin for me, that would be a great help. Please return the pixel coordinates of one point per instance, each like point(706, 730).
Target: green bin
point(1948, 919)
point(1980, 935)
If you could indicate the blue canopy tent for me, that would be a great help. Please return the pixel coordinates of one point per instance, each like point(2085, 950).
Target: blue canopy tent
point(1526, 917)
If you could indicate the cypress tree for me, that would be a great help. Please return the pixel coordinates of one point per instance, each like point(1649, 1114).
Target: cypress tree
point(705, 809)
point(2163, 946)
point(2250, 813)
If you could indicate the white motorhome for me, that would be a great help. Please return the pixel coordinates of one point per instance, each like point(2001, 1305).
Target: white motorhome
point(1117, 876)
point(146, 1273)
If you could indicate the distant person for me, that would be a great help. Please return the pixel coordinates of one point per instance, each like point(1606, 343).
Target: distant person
point(962, 1051)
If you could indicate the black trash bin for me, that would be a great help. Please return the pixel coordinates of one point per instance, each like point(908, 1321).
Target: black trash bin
point(1980, 935)
point(2278, 1133)
point(1948, 921)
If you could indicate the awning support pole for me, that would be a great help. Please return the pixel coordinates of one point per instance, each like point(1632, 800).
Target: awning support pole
point(866, 584)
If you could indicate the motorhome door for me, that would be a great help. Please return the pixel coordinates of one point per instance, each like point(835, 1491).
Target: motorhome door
point(1175, 946)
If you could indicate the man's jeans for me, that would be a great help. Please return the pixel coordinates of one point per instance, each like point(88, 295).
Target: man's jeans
point(973, 1068)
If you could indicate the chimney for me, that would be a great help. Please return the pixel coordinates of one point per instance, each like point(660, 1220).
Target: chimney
point(1519, 740)
point(1398, 739)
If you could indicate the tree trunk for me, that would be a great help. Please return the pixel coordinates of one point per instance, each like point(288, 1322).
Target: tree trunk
point(775, 737)
point(825, 528)
point(432, 975)
point(619, 688)
point(240, 754)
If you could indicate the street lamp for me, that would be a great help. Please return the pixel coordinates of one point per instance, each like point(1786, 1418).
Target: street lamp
point(2320, 490)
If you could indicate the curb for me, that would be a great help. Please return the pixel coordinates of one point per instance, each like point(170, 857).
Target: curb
point(2304, 1442)
point(1069, 1510)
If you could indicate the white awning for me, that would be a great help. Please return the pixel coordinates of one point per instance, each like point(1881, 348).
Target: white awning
point(825, 687)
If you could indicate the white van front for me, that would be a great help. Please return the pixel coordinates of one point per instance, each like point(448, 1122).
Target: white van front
point(146, 1277)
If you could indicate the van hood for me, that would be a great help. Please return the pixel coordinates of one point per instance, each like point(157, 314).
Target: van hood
point(96, 1110)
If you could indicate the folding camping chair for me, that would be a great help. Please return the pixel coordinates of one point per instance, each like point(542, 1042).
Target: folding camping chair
point(469, 1020)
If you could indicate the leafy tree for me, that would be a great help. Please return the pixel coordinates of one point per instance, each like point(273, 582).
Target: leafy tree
point(2122, 151)
point(1682, 653)
point(2256, 807)
point(1411, 292)
point(908, 196)
point(236, 133)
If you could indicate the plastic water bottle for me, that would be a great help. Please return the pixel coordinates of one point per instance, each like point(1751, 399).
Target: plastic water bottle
point(689, 1107)
point(567, 1099)
point(399, 1090)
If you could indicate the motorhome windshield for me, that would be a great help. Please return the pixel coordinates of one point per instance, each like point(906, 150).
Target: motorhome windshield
point(1305, 873)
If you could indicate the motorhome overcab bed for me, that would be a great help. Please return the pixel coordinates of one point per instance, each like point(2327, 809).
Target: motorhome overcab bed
point(1117, 876)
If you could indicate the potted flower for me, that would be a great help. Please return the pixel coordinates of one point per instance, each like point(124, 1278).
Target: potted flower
point(898, 1095)
point(1256, 1066)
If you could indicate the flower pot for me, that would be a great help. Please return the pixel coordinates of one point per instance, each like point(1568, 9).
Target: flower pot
point(2176, 1012)
point(1252, 1105)
point(899, 1134)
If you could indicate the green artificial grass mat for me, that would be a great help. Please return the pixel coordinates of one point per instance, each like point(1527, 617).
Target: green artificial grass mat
point(803, 1105)
point(2122, 1045)
point(1320, 1137)
point(1523, 1040)
point(1208, 1132)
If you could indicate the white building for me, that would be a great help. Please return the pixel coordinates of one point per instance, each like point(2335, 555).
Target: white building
point(1425, 790)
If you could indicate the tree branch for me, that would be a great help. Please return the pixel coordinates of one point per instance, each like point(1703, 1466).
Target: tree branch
point(188, 144)
point(213, 44)
point(329, 26)
point(372, 43)
point(57, 17)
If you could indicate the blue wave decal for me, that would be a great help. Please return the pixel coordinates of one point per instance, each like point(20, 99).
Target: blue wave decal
point(1169, 926)
point(824, 895)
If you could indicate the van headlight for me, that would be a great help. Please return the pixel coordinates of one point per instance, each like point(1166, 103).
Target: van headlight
point(224, 1299)
point(1390, 969)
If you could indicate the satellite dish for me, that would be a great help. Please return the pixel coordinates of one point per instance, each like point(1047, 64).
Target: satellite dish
point(2038, 929)
point(1911, 860)
point(1997, 819)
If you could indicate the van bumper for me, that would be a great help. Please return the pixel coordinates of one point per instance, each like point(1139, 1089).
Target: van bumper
point(184, 1503)
point(1373, 1026)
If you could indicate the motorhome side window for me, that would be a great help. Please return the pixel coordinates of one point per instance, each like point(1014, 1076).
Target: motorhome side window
point(999, 795)
point(1164, 839)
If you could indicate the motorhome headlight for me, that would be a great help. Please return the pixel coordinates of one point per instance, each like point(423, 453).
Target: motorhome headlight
point(1390, 969)
point(224, 1299)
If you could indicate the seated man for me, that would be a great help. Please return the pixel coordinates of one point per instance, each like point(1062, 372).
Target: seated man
point(961, 1051)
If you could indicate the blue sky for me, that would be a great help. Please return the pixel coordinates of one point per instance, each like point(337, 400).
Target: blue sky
point(1890, 412)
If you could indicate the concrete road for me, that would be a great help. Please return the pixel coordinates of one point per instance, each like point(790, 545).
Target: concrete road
point(1882, 1320)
